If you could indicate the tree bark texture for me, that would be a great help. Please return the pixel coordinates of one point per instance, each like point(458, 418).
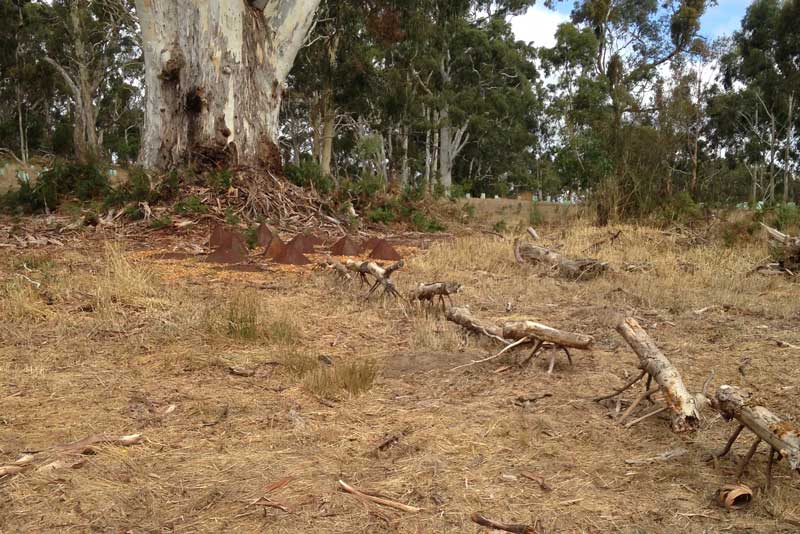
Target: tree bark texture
point(516, 330)
point(214, 73)
point(682, 403)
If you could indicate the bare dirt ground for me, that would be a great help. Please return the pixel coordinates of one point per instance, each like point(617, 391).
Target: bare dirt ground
point(120, 335)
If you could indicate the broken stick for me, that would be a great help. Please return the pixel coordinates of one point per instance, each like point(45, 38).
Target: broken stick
point(684, 405)
point(514, 529)
point(378, 500)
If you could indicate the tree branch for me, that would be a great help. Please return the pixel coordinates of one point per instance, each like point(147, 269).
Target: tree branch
point(73, 87)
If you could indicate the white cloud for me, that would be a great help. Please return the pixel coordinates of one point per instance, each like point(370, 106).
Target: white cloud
point(538, 26)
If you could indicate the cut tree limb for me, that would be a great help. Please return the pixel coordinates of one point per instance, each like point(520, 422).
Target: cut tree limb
point(463, 318)
point(382, 275)
point(785, 249)
point(777, 432)
point(684, 406)
point(572, 269)
point(519, 329)
point(427, 292)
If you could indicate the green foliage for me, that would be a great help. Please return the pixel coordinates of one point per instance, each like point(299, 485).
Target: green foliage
point(218, 180)
point(500, 227)
point(424, 223)
point(64, 180)
point(231, 218)
point(535, 217)
point(159, 223)
point(308, 173)
point(382, 215)
point(191, 205)
point(680, 208)
point(251, 236)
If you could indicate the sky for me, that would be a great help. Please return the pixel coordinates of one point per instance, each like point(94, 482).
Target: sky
point(539, 23)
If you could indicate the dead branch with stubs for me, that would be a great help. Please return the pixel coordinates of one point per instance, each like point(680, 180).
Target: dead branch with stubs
point(517, 333)
point(785, 253)
point(571, 269)
point(381, 275)
point(684, 406)
point(69, 456)
point(781, 435)
point(426, 293)
point(337, 267)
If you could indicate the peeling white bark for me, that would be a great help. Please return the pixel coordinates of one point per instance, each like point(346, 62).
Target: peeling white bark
point(214, 73)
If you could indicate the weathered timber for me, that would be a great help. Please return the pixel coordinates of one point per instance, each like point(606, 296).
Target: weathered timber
point(520, 329)
point(572, 269)
point(777, 432)
point(684, 405)
point(785, 250)
point(337, 267)
point(427, 292)
point(463, 318)
point(381, 275)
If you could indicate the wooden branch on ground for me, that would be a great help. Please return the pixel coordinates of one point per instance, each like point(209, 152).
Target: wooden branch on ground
point(532, 233)
point(572, 269)
point(378, 500)
point(684, 406)
point(596, 246)
point(381, 275)
point(786, 252)
point(463, 318)
point(519, 329)
point(514, 529)
point(427, 292)
point(780, 434)
point(337, 267)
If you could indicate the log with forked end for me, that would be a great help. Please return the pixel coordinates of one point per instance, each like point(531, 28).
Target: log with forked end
point(463, 318)
point(777, 432)
point(382, 275)
point(684, 405)
point(427, 292)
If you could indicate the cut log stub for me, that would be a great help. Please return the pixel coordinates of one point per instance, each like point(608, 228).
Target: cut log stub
point(572, 269)
point(521, 329)
point(684, 405)
point(777, 432)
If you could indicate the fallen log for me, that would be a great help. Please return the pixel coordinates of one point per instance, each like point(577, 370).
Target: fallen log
point(684, 405)
point(463, 318)
point(782, 436)
point(785, 250)
point(366, 497)
point(382, 275)
point(427, 292)
point(519, 329)
point(572, 269)
point(337, 267)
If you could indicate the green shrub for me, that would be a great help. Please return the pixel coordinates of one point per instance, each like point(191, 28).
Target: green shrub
point(786, 216)
point(500, 227)
point(423, 223)
point(64, 180)
point(191, 205)
point(680, 207)
point(308, 173)
point(251, 236)
point(535, 217)
point(231, 218)
point(160, 223)
point(382, 215)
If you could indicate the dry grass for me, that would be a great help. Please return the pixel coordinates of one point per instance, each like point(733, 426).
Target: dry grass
point(111, 339)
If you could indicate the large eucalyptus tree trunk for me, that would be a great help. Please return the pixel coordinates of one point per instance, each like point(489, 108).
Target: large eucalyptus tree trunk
point(215, 72)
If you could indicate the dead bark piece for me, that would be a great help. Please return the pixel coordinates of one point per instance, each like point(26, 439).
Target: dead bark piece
point(572, 269)
point(463, 318)
point(88, 445)
point(777, 432)
point(532, 232)
point(427, 292)
point(378, 500)
point(23, 463)
point(514, 529)
point(682, 404)
point(519, 329)
point(785, 250)
point(381, 275)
